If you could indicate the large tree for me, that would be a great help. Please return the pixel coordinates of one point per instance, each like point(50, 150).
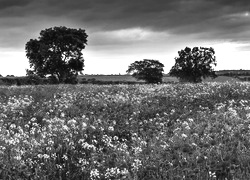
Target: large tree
point(149, 70)
point(194, 64)
point(57, 52)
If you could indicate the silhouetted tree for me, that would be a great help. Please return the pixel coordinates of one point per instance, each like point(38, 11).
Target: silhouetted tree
point(193, 64)
point(149, 70)
point(57, 52)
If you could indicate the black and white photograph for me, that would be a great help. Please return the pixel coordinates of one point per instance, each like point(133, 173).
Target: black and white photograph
point(124, 89)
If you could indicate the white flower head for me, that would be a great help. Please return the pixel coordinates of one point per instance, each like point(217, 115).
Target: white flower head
point(84, 125)
point(94, 174)
point(183, 135)
point(110, 128)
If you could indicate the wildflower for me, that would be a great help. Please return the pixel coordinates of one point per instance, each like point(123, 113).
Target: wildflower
point(83, 162)
point(65, 128)
point(46, 156)
point(12, 126)
point(193, 144)
point(186, 125)
point(62, 115)
point(124, 171)
point(110, 128)
point(212, 174)
point(190, 120)
point(172, 111)
point(17, 158)
point(248, 116)
point(112, 172)
point(94, 174)
point(136, 164)
point(84, 125)
point(137, 150)
point(176, 130)
point(58, 166)
point(183, 135)
point(33, 119)
point(65, 157)
point(72, 122)
point(115, 138)
point(3, 115)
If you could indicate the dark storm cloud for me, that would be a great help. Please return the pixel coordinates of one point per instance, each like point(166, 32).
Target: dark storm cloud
point(5, 4)
point(203, 18)
point(177, 16)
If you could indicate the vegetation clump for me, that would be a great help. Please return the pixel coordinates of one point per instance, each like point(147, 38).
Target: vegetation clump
point(149, 70)
point(194, 64)
point(58, 53)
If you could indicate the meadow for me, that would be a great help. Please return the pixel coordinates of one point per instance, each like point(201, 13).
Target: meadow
point(133, 132)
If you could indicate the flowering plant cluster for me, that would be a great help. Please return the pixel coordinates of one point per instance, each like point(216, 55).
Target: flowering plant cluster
point(133, 132)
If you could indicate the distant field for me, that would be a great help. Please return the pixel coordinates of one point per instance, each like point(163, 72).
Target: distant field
point(116, 79)
point(165, 78)
point(121, 78)
point(222, 79)
point(108, 77)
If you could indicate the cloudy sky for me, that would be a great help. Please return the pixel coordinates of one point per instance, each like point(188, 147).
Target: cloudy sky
point(123, 31)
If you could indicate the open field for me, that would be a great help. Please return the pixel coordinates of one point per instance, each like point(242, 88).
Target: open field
point(222, 79)
point(165, 79)
point(143, 132)
point(107, 79)
point(122, 78)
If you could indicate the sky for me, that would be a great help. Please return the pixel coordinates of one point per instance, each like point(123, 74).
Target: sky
point(123, 31)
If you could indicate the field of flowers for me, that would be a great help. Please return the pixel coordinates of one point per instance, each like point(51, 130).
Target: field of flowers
point(132, 132)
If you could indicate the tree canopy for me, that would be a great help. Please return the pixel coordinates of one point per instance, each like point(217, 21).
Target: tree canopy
point(193, 64)
point(57, 52)
point(149, 70)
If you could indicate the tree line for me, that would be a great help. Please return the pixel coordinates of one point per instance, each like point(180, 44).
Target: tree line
point(57, 54)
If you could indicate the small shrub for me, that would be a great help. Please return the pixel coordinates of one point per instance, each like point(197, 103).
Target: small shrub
point(34, 80)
